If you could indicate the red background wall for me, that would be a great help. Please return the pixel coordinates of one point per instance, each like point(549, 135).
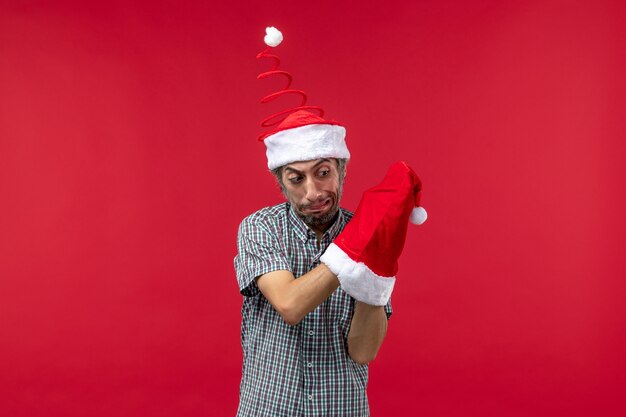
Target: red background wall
point(128, 157)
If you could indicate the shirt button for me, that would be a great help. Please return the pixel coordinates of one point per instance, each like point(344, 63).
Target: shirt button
point(310, 396)
point(310, 365)
point(310, 332)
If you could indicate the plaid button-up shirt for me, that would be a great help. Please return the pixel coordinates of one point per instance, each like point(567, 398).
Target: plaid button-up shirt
point(301, 370)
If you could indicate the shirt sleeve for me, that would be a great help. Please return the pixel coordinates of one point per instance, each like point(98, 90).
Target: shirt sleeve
point(258, 253)
point(388, 309)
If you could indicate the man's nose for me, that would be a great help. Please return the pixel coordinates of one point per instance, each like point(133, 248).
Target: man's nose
point(313, 192)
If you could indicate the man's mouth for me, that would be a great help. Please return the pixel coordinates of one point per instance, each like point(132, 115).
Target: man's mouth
point(319, 206)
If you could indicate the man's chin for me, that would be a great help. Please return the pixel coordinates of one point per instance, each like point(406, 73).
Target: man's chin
point(319, 219)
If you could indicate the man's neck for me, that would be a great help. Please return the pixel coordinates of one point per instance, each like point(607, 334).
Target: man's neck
point(321, 229)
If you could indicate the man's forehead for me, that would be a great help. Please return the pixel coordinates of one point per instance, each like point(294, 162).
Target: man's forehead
point(303, 165)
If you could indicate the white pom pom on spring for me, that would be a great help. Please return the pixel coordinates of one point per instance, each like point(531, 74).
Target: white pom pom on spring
point(273, 37)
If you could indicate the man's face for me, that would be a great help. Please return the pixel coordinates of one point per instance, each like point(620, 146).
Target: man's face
point(314, 189)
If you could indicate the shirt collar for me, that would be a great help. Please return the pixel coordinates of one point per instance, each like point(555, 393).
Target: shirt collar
point(336, 227)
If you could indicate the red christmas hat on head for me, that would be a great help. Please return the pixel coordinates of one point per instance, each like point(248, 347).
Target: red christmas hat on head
point(298, 133)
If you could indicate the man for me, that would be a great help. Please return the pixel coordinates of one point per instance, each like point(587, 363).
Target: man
point(306, 342)
point(316, 293)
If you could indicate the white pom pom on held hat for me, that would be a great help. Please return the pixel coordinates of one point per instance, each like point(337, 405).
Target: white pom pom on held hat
point(418, 216)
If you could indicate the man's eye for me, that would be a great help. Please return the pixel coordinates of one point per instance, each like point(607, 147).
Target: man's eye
point(324, 172)
point(295, 180)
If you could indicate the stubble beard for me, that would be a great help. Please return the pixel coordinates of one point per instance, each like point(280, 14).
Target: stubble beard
point(319, 221)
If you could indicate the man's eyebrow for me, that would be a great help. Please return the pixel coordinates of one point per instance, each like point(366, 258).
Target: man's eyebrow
point(321, 161)
point(293, 170)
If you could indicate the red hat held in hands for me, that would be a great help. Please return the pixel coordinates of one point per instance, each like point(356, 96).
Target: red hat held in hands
point(365, 254)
